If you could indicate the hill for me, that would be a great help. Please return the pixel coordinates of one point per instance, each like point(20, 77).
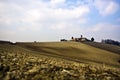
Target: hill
point(57, 61)
point(75, 51)
point(108, 47)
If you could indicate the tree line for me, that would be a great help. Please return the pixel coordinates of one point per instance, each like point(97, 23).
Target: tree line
point(110, 41)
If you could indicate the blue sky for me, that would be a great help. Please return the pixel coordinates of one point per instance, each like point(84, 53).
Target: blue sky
point(51, 20)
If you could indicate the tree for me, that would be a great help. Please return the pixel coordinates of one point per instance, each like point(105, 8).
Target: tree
point(72, 38)
point(81, 36)
point(92, 39)
point(110, 41)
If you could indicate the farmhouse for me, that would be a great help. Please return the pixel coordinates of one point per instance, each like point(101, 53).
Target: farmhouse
point(81, 39)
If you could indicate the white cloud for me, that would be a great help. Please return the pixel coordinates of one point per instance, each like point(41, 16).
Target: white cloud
point(106, 7)
point(104, 31)
point(59, 26)
point(10, 13)
point(36, 16)
point(105, 27)
point(66, 14)
point(5, 21)
point(31, 15)
point(56, 18)
point(57, 1)
point(51, 18)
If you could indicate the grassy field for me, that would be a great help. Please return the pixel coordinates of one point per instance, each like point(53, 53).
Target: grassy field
point(57, 61)
point(108, 47)
point(77, 51)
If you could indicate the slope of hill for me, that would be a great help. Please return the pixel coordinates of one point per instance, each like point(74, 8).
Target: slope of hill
point(75, 51)
point(56, 61)
point(108, 47)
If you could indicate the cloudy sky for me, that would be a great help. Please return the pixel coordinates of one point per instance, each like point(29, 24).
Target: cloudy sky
point(51, 20)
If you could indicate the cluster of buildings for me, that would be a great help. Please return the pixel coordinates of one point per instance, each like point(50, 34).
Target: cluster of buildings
point(81, 39)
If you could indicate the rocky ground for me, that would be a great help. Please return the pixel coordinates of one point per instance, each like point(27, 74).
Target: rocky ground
point(24, 66)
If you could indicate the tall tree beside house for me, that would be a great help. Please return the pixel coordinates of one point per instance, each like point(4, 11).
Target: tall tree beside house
point(72, 38)
point(81, 36)
point(92, 39)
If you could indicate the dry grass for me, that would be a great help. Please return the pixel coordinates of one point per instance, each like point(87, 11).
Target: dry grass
point(81, 52)
point(20, 63)
point(108, 47)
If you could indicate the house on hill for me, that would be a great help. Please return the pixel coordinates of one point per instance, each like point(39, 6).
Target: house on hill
point(81, 39)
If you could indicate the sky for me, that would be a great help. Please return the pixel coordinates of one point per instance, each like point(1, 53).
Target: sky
point(52, 20)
